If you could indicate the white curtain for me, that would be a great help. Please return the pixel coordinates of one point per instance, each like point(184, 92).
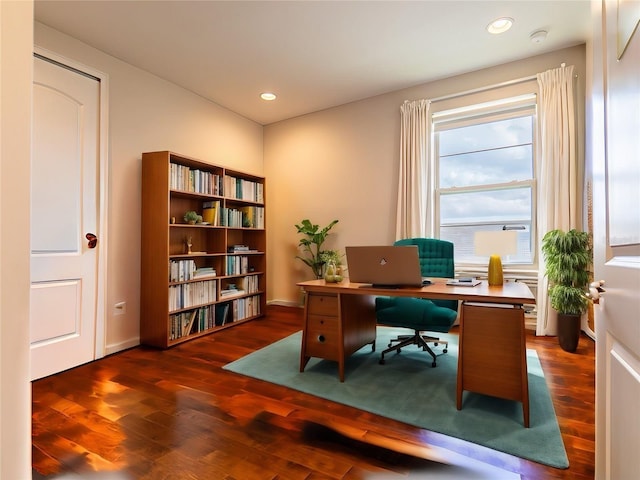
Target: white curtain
point(558, 174)
point(412, 215)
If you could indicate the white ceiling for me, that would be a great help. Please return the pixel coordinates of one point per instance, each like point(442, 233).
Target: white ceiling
point(312, 54)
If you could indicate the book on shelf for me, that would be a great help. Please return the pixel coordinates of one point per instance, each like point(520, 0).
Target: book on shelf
point(211, 212)
point(237, 265)
point(252, 217)
point(189, 326)
point(248, 217)
point(187, 179)
point(221, 313)
point(204, 272)
point(250, 283)
point(231, 292)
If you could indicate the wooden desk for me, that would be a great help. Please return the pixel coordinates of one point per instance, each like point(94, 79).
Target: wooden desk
point(339, 319)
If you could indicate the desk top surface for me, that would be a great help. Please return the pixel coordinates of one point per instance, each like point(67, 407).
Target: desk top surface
point(515, 293)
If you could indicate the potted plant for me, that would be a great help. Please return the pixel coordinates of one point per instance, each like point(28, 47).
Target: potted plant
point(568, 259)
point(192, 217)
point(311, 243)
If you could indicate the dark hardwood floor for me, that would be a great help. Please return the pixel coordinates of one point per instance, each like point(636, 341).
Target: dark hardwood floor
point(176, 414)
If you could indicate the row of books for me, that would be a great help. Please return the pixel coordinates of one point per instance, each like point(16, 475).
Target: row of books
point(248, 217)
point(244, 285)
point(184, 178)
point(204, 318)
point(246, 307)
point(189, 294)
point(243, 189)
point(237, 265)
point(250, 283)
point(252, 217)
point(184, 270)
point(194, 321)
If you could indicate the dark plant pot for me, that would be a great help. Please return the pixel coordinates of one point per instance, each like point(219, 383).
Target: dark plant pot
point(569, 331)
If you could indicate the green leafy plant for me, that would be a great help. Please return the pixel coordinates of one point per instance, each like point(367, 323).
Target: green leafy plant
point(333, 256)
point(568, 257)
point(192, 217)
point(311, 243)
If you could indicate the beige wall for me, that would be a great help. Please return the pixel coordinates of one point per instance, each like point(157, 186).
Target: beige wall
point(16, 37)
point(147, 114)
point(341, 163)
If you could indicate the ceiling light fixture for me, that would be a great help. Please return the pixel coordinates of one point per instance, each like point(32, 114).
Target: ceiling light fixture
point(500, 25)
point(268, 96)
point(538, 36)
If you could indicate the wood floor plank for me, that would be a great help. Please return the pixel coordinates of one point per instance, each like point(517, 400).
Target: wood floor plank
point(176, 414)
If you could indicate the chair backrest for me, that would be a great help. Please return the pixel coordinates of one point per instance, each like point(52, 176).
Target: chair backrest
point(436, 260)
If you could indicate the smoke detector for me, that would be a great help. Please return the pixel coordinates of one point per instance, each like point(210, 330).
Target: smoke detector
point(538, 36)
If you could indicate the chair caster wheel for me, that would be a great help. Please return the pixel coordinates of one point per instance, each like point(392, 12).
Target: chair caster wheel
point(435, 344)
point(390, 345)
point(433, 364)
point(398, 350)
point(381, 362)
point(444, 351)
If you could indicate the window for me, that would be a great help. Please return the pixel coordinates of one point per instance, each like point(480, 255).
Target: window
point(484, 159)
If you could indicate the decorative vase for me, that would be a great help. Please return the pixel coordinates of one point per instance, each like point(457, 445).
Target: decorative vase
point(333, 273)
point(330, 272)
point(495, 276)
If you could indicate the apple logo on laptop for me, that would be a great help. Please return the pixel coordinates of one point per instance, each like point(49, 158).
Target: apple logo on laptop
point(383, 261)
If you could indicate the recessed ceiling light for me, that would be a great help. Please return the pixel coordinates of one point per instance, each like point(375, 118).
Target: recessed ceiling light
point(500, 25)
point(268, 96)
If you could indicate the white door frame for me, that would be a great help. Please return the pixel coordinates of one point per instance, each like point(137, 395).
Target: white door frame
point(103, 182)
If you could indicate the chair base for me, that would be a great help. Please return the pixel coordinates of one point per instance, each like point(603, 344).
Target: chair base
point(416, 339)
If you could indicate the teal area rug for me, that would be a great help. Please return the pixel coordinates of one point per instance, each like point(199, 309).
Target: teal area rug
point(407, 389)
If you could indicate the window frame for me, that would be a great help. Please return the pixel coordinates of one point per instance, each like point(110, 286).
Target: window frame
point(474, 114)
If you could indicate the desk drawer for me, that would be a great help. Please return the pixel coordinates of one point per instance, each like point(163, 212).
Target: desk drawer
point(323, 323)
point(322, 337)
point(321, 304)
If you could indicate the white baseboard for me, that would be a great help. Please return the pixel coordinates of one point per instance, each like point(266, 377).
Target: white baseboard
point(119, 347)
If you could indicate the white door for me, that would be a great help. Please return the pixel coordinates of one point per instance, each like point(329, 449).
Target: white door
point(64, 211)
point(617, 244)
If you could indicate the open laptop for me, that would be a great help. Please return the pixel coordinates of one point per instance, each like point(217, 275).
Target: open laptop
point(385, 266)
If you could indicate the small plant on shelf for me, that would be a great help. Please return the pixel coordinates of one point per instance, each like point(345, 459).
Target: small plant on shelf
point(192, 217)
point(311, 243)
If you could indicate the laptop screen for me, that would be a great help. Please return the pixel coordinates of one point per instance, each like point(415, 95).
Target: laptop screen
point(384, 266)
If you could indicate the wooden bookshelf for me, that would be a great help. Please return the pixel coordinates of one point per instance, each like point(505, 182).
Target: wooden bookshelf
point(181, 296)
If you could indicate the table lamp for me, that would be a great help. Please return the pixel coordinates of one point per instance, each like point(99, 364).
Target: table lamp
point(495, 244)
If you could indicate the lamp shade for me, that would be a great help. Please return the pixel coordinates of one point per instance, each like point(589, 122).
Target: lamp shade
point(495, 244)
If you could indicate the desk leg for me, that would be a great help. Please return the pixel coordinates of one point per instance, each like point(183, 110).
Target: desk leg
point(303, 360)
point(460, 376)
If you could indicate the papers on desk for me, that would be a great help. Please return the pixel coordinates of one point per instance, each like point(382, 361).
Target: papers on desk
point(464, 282)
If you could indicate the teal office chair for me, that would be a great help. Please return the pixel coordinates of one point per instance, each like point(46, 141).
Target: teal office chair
point(421, 315)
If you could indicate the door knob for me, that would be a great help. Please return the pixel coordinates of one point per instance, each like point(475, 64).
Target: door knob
point(93, 240)
point(595, 290)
